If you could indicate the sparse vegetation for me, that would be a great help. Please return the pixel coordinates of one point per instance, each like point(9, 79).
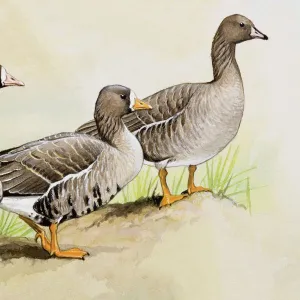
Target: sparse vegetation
point(11, 225)
point(220, 174)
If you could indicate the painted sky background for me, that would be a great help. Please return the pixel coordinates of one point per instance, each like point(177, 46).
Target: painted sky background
point(65, 51)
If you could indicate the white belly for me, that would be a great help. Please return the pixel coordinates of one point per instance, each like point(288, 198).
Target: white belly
point(196, 160)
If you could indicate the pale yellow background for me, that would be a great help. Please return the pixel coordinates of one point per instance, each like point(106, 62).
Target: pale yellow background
point(65, 51)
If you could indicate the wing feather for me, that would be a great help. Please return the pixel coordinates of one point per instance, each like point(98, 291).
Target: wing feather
point(32, 167)
point(165, 104)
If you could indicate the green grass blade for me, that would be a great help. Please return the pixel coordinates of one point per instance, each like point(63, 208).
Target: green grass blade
point(27, 232)
point(208, 175)
point(226, 186)
point(179, 182)
point(239, 192)
point(203, 181)
point(12, 221)
point(212, 173)
point(2, 216)
point(217, 176)
point(151, 185)
point(230, 168)
point(123, 196)
point(243, 172)
point(4, 224)
point(20, 231)
point(225, 162)
point(236, 183)
point(11, 225)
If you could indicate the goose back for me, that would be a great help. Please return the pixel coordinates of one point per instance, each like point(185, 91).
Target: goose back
point(165, 104)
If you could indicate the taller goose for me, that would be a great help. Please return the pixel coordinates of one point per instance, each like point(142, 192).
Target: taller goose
point(75, 174)
point(192, 122)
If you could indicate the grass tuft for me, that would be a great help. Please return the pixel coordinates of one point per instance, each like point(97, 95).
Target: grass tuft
point(220, 174)
point(224, 179)
point(11, 225)
point(144, 185)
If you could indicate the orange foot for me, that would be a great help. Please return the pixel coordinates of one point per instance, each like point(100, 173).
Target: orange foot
point(55, 250)
point(70, 253)
point(169, 199)
point(195, 189)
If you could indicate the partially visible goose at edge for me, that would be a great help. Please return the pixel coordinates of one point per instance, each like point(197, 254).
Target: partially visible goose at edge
point(192, 122)
point(7, 79)
point(75, 174)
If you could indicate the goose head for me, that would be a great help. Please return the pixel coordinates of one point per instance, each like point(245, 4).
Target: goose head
point(118, 100)
point(237, 28)
point(7, 79)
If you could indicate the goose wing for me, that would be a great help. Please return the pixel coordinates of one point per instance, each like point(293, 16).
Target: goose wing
point(32, 167)
point(37, 142)
point(165, 104)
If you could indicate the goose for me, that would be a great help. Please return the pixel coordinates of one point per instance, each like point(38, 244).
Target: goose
point(7, 79)
point(69, 175)
point(190, 123)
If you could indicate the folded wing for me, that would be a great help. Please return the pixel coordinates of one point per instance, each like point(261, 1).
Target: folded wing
point(31, 168)
point(165, 104)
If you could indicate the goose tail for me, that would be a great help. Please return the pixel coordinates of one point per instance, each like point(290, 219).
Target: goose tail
point(23, 206)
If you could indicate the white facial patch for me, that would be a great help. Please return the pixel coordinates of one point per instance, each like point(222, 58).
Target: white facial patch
point(3, 75)
point(132, 98)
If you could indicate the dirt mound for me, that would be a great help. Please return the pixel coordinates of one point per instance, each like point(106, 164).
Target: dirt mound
point(203, 247)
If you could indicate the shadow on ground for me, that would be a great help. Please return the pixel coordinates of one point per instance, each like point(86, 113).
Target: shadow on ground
point(22, 247)
point(18, 248)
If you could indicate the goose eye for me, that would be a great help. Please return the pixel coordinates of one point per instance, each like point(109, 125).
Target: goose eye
point(242, 24)
point(123, 96)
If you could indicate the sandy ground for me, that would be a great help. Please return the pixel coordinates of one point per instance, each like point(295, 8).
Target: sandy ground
point(202, 248)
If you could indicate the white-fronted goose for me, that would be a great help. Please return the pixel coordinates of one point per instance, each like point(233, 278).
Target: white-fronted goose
point(192, 122)
point(75, 173)
point(7, 79)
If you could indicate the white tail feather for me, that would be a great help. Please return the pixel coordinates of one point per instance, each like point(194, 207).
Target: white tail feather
point(19, 205)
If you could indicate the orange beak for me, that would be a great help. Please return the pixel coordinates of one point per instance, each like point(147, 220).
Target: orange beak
point(12, 81)
point(139, 104)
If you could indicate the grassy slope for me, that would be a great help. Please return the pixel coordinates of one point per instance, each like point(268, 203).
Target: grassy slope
point(221, 174)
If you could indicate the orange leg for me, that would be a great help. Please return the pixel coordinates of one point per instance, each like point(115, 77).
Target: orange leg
point(191, 185)
point(168, 198)
point(40, 233)
point(52, 247)
point(70, 253)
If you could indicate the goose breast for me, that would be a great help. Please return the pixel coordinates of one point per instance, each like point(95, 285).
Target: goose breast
point(208, 123)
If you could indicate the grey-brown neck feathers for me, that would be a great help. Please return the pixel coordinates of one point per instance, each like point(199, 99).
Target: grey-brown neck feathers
point(109, 127)
point(222, 54)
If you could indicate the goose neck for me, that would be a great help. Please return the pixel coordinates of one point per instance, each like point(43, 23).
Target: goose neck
point(223, 56)
point(110, 128)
